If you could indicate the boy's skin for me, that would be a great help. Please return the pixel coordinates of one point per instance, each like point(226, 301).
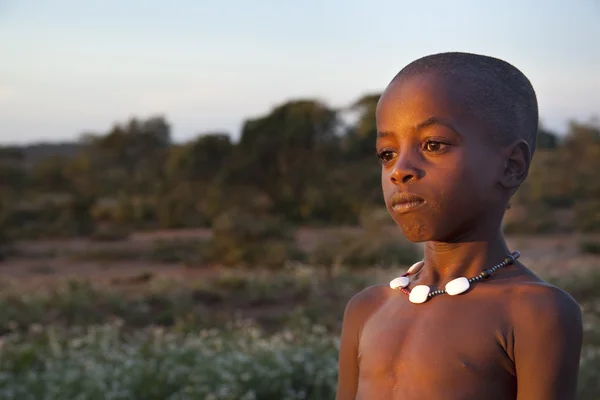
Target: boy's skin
point(511, 336)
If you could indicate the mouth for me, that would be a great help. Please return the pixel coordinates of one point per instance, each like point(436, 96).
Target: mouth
point(406, 202)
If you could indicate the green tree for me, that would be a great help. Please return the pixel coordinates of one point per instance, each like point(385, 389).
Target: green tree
point(50, 175)
point(192, 170)
point(130, 157)
point(582, 154)
point(360, 137)
point(201, 159)
point(286, 154)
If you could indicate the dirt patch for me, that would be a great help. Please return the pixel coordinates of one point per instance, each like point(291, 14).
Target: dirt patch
point(49, 262)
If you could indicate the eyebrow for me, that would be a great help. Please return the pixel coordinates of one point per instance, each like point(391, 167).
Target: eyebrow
point(428, 122)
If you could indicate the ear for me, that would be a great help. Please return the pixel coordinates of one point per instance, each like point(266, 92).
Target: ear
point(517, 159)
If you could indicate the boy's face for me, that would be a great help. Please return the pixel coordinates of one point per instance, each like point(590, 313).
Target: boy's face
point(431, 147)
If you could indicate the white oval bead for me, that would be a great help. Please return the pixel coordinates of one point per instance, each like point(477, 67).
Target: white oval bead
point(419, 294)
point(457, 286)
point(415, 267)
point(400, 282)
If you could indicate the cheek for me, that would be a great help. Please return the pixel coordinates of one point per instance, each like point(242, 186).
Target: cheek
point(468, 184)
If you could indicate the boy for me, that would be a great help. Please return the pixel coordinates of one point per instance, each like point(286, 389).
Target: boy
point(456, 134)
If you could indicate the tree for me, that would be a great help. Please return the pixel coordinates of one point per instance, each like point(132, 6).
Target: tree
point(201, 159)
point(360, 138)
point(546, 139)
point(285, 153)
point(50, 175)
point(130, 156)
point(582, 148)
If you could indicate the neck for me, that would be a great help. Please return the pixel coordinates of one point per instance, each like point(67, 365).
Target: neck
point(446, 261)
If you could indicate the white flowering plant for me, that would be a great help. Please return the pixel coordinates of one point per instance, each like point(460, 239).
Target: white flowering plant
point(108, 363)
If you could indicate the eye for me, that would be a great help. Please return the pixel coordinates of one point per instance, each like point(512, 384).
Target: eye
point(386, 156)
point(433, 146)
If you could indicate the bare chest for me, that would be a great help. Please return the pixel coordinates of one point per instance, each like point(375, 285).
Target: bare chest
point(452, 343)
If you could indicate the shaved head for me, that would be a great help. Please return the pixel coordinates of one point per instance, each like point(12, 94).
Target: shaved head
point(495, 91)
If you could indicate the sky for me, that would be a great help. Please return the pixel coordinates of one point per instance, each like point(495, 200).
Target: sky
point(71, 66)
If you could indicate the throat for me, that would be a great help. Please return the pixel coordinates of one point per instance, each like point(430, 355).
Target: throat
point(446, 261)
point(411, 283)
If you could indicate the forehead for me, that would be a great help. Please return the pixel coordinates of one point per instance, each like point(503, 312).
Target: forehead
point(407, 102)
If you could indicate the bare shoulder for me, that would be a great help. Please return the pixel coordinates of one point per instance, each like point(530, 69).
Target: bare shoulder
point(547, 331)
point(539, 306)
point(365, 303)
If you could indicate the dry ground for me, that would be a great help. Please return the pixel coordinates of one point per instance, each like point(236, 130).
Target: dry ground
point(42, 263)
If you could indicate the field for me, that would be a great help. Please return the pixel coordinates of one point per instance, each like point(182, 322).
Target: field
point(145, 318)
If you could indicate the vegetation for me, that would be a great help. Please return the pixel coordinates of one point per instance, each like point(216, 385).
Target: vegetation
point(257, 311)
point(103, 343)
point(299, 164)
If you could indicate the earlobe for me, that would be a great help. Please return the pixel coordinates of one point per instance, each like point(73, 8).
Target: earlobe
point(516, 166)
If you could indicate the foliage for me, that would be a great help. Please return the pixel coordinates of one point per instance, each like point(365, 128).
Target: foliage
point(44, 355)
point(372, 245)
point(106, 363)
point(562, 176)
point(531, 220)
point(302, 161)
point(240, 238)
point(587, 215)
point(590, 247)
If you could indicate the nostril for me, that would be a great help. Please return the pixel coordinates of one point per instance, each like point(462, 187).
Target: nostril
point(407, 178)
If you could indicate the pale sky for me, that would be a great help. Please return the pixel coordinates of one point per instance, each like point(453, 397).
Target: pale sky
point(73, 66)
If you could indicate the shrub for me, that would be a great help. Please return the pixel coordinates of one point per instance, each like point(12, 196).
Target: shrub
point(362, 250)
point(589, 247)
point(241, 239)
point(587, 216)
point(531, 219)
point(378, 243)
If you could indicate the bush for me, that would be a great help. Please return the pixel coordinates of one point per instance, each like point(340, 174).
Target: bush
point(589, 247)
point(531, 219)
point(587, 216)
point(362, 250)
point(583, 285)
point(241, 239)
point(378, 243)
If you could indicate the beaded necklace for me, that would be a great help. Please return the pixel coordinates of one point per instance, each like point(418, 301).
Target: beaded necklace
point(421, 293)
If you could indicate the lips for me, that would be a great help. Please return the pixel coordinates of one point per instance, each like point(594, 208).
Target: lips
point(406, 202)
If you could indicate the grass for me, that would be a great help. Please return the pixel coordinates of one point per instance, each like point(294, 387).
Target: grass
point(186, 340)
point(273, 299)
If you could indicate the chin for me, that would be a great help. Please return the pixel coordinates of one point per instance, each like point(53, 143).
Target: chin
point(414, 230)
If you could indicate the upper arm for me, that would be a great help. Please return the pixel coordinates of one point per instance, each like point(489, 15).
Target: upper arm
point(547, 344)
point(357, 311)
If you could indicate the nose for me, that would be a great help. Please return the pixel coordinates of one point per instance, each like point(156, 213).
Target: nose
point(405, 171)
